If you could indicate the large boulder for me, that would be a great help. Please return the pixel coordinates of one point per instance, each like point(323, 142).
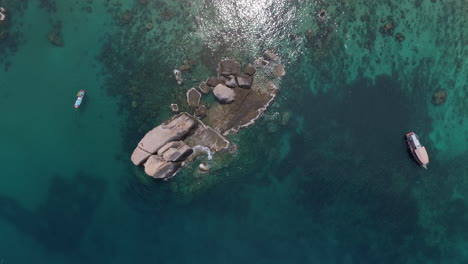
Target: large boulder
point(193, 98)
point(244, 81)
point(204, 87)
point(139, 156)
point(179, 153)
point(224, 94)
point(213, 81)
point(250, 70)
point(231, 81)
point(229, 67)
point(176, 129)
point(158, 168)
point(172, 144)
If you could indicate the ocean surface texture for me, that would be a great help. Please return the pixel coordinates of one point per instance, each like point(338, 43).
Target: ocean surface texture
point(324, 176)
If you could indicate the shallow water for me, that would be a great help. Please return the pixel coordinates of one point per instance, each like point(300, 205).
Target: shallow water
point(334, 184)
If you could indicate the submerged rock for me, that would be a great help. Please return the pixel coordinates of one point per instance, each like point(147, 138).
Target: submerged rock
point(399, 36)
point(439, 97)
point(224, 94)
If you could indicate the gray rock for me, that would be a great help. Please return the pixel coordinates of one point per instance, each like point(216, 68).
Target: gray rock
point(175, 130)
point(193, 97)
point(139, 156)
point(158, 168)
point(231, 82)
point(244, 81)
point(204, 87)
point(224, 94)
point(177, 154)
point(229, 67)
point(172, 144)
point(213, 81)
point(174, 108)
point(200, 112)
point(250, 70)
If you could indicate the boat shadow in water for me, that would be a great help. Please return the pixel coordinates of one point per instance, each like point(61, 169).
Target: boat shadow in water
point(61, 221)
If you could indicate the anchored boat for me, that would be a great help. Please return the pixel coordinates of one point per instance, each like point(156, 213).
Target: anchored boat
point(419, 151)
point(79, 98)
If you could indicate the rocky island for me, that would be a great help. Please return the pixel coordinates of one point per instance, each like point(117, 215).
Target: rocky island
point(241, 98)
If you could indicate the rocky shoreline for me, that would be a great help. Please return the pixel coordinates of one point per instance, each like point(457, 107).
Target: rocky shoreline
point(240, 99)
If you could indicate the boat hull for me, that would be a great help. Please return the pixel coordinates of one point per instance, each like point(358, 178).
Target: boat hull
point(417, 150)
point(79, 98)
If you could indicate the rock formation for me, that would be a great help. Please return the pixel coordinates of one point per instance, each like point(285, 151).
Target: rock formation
point(241, 99)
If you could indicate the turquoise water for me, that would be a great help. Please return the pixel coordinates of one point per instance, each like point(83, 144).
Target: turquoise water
point(334, 184)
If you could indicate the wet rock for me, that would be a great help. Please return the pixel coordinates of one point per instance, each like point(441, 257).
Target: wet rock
point(400, 37)
point(229, 67)
point(278, 70)
point(193, 98)
point(270, 56)
point(224, 94)
point(178, 77)
point(213, 81)
point(177, 154)
point(134, 104)
point(204, 88)
point(244, 81)
point(250, 70)
point(143, 2)
point(439, 97)
point(175, 130)
point(309, 34)
point(200, 112)
point(203, 167)
point(185, 67)
point(174, 108)
point(158, 168)
point(3, 16)
point(172, 144)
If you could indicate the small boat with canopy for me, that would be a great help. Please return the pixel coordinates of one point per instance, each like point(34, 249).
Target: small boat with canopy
point(419, 151)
